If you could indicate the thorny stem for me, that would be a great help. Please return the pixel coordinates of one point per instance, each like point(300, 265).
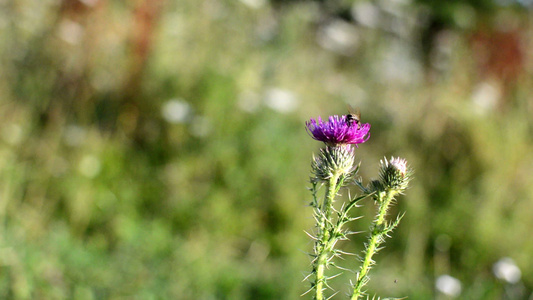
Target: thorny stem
point(376, 238)
point(323, 245)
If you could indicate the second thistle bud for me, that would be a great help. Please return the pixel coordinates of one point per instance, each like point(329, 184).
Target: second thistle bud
point(334, 161)
point(395, 174)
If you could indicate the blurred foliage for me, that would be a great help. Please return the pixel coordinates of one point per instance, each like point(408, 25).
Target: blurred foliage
point(156, 149)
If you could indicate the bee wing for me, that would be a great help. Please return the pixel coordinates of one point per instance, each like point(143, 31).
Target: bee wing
point(354, 111)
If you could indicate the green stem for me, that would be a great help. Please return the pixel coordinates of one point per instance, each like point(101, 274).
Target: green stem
point(375, 240)
point(323, 244)
point(330, 195)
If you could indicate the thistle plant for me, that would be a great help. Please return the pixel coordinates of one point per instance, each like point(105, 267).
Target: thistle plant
point(335, 168)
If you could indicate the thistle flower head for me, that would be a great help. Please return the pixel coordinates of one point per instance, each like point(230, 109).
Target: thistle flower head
point(333, 161)
point(395, 174)
point(338, 130)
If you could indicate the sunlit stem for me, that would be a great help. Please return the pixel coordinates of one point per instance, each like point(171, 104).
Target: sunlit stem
point(324, 242)
point(376, 238)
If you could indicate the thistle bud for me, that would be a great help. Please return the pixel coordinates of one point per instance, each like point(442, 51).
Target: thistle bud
point(395, 174)
point(334, 161)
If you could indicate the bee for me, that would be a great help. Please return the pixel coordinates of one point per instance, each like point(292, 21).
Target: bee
point(353, 116)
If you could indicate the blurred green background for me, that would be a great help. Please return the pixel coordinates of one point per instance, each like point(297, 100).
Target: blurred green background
point(156, 149)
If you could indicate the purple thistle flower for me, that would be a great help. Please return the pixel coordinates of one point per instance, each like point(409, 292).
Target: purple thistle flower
point(338, 130)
